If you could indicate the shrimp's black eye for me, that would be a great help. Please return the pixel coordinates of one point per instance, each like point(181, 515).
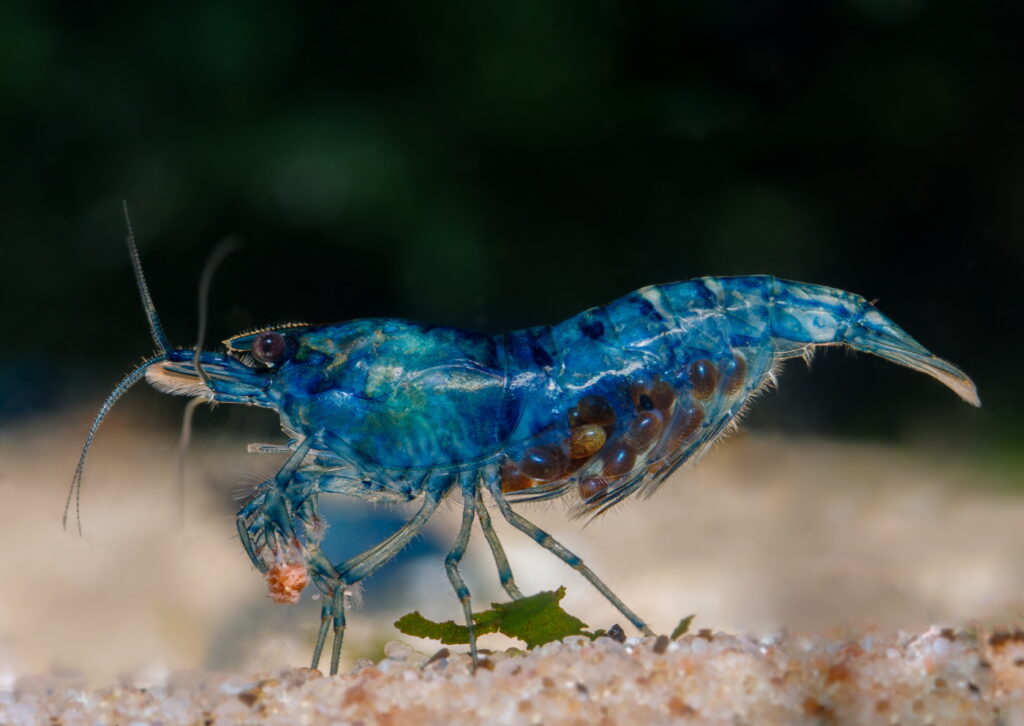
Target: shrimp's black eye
point(269, 348)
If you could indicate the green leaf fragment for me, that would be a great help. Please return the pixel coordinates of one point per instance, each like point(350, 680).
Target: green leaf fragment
point(535, 620)
point(538, 619)
point(683, 627)
point(447, 632)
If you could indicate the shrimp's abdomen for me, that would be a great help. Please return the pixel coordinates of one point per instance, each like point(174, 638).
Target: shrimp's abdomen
point(618, 396)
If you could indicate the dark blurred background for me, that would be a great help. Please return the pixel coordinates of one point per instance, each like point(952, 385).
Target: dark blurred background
point(502, 164)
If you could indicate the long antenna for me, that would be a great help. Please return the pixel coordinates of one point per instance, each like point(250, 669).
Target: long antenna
point(155, 329)
point(75, 491)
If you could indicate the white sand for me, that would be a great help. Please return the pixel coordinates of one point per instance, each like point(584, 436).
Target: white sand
point(933, 677)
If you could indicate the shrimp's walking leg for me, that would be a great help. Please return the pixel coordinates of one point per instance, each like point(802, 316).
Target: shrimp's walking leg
point(451, 565)
point(282, 477)
point(500, 560)
point(321, 635)
point(336, 579)
point(323, 572)
point(363, 565)
point(338, 606)
point(549, 543)
point(332, 612)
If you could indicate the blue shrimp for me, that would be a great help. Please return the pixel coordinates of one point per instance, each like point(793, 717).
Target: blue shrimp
point(594, 409)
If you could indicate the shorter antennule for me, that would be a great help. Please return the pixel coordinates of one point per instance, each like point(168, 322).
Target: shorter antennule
point(224, 248)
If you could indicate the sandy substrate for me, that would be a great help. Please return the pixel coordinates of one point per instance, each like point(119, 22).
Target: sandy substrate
point(768, 538)
point(934, 677)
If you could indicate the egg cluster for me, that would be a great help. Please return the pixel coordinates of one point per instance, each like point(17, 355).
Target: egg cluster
point(605, 446)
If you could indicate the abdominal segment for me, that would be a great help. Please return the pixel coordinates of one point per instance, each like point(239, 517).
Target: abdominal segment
point(632, 432)
point(616, 398)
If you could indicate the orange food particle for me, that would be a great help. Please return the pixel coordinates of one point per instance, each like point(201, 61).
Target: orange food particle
point(286, 580)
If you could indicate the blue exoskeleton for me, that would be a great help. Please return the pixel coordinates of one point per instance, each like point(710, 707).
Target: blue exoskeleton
point(596, 408)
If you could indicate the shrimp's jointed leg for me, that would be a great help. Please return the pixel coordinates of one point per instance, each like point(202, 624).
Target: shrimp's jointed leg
point(500, 560)
point(270, 510)
point(334, 581)
point(338, 620)
point(323, 572)
point(332, 612)
point(246, 536)
point(549, 543)
point(451, 565)
point(361, 566)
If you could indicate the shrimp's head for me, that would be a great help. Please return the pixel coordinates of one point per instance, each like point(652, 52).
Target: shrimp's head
point(243, 373)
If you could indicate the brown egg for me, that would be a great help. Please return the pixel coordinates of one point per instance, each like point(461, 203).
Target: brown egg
point(685, 425)
point(703, 378)
point(735, 379)
point(596, 410)
point(544, 463)
point(656, 395)
point(618, 460)
point(513, 480)
point(586, 440)
point(645, 429)
point(662, 396)
point(591, 487)
point(640, 395)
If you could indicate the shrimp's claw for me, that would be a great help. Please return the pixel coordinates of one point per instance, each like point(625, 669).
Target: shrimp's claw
point(874, 333)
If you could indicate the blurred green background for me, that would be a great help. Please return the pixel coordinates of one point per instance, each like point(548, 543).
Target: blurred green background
point(502, 164)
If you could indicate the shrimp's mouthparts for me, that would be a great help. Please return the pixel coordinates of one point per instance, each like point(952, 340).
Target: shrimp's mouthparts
point(227, 379)
point(166, 379)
